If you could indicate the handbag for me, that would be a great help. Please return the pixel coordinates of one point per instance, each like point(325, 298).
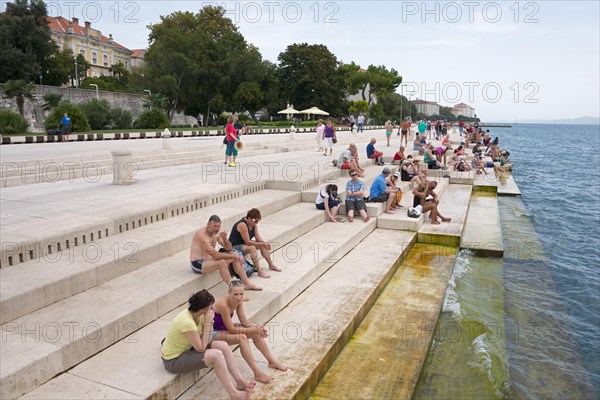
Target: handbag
point(334, 140)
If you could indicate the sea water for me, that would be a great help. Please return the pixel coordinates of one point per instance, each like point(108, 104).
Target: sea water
point(528, 325)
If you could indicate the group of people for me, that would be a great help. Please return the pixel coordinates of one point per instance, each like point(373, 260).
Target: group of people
point(200, 335)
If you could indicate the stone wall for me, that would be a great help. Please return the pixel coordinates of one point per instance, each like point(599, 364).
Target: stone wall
point(35, 114)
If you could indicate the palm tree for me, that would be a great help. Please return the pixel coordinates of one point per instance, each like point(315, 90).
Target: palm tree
point(118, 70)
point(20, 90)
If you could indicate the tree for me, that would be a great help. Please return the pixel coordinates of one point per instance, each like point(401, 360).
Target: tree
point(58, 69)
point(208, 61)
point(391, 105)
point(20, 90)
point(152, 119)
point(25, 40)
point(359, 106)
point(157, 100)
point(119, 70)
point(51, 100)
point(12, 123)
point(79, 122)
point(97, 113)
point(308, 76)
point(378, 79)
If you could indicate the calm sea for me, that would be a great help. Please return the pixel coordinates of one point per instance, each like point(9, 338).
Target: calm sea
point(528, 325)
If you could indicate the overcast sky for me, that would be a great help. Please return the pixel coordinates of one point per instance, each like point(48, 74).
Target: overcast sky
point(509, 60)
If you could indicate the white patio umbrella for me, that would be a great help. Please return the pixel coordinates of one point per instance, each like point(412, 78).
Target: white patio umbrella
point(289, 111)
point(314, 111)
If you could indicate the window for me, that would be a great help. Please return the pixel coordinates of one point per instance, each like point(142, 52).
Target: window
point(105, 60)
point(94, 58)
point(82, 52)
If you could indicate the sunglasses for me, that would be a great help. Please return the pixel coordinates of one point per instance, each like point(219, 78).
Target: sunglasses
point(235, 282)
point(353, 174)
point(256, 221)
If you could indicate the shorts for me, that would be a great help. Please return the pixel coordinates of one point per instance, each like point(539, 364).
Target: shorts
point(388, 134)
point(382, 198)
point(196, 266)
point(355, 205)
point(331, 203)
point(238, 246)
point(328, 142)
point(404, 132)
point(345, 165)
point(189, 361)
point(230, 147)
point(410, 176)
point(432, 164)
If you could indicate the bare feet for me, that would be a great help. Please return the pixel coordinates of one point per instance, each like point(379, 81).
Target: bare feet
point(263, 274)
point(263, 378)
point(389, 212)
point(366, 219)
point(446, 219)
point(278, 365)
point(246, 385)
point(240, 394)
point(435, 223)
point(250, 286)
point(273, 267)
point(350, 219)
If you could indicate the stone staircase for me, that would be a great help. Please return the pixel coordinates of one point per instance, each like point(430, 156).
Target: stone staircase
point(82, 316)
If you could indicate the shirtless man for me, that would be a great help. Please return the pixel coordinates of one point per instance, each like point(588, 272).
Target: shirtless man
point(204, 258)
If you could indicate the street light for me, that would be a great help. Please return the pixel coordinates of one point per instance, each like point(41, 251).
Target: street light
point(96, 86)
point(148, 91)
point(76, 75)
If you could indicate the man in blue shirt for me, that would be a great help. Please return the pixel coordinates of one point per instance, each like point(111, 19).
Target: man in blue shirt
point(65, 130)
point(355, 189)
point(373, 154)
point(380, 192)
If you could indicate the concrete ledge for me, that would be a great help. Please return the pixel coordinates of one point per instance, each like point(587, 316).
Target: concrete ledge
point(483, 239)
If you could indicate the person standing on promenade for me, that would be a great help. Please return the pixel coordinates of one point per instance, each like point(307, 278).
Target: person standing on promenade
point(361, 123)
point(355, 190)
point(204, 258)
point(422, 128)
point(65, 128)
point(352, 121)
point(231, 138)
point(244, 236)
point(320, 134)
point(388, 131)
point(188, 347)
point(404, 127)
point(329, 136)
point(232, 333)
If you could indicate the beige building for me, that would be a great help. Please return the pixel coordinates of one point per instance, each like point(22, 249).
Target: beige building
point(137, 58)
point(464, 110)
point(427, 107)
point(100, 52)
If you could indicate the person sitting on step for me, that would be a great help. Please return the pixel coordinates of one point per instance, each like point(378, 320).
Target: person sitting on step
point(204, 258)
point(240, 333)
point(422, 194)
point(374, 154)
point(244, 236)
point(355, 190)
point(327, 200)
point(188, 347)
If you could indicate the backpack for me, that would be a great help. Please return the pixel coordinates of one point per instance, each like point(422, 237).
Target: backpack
point(250, 269)
point(413, 212)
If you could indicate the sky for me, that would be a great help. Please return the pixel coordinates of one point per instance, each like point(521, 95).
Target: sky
point(510, 60)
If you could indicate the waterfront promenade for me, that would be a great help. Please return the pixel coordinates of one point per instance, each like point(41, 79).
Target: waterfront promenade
point(92, 273)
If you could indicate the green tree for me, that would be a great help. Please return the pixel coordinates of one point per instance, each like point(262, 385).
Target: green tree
point(120, 119)
point(19, 90)
point(51, 100)
point(376, 113)
point(308, 76)
point(12, 123)
point(97, 113)
point(25, 40)
point(152, 119)
point(119, 71)
point(79, 122)
point(391, 105)
point(58, 68)
point(359, 106)
point(378, 79)
point(157, 100)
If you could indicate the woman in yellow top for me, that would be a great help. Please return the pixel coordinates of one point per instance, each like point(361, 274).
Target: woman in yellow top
point(188, 348)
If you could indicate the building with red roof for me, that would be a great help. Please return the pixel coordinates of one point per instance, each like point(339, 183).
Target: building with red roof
point(100, 52)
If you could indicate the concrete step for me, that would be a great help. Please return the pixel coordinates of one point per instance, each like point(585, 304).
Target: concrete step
point(483, 230)
point(454, 203)
point(61, 335)
point(507, 185)
point(399, 220)
point(312, 330)
point(41, 282)
point(383, 359)
point(163, 286)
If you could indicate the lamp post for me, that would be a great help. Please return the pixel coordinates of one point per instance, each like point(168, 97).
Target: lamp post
point(96, 86)
point(76, 74)
point(148, 91)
